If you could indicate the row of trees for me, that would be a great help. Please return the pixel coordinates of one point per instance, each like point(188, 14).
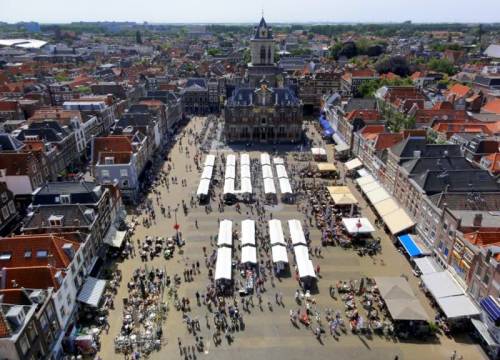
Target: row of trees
point(351, 49)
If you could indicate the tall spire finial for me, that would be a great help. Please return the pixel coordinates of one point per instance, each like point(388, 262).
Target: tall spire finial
point(262, 10)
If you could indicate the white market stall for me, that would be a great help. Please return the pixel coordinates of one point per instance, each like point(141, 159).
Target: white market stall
point(377, 195)
point(223, 270)
point(296, 232)
point(230, 172)
point(92, 291)
point(279, 254)
point(281, 172)
point(269, 187)
point(319, 154)
point(209, 160)
point(365, 180)
point(207, 172)
point(203, 189)
point(245, 171)
point(245, 159)
point(265, 159)
point(278, 160)
point(358, 226)
point(398, 221)
point(305, 266)
point(225, 237)
point(230, 160)
point(353, 164)
point(426, 265)
point(248, 232)
point(267, 172)
point(286, 190)
point(248, 255)
point(276, 233)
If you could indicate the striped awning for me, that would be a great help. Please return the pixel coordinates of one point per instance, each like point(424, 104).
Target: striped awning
point(491, 307)
point(92, 291)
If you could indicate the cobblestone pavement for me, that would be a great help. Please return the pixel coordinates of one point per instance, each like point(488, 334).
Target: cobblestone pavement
point(269, 334)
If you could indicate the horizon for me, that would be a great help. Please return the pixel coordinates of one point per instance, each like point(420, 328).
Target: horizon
point(275, 12)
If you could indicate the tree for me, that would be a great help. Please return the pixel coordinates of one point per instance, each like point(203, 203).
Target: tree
point(335, 50)
point(395, 64)
point(442, 65)
point(138, 37)
point(213, 52)
point(349, 50)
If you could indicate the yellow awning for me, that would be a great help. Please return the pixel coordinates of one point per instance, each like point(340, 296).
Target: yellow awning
point(326, 167)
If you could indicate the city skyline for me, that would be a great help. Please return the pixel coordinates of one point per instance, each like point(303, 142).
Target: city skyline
point(276, 11)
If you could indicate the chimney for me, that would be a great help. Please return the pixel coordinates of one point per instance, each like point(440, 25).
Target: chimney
point(478, 219)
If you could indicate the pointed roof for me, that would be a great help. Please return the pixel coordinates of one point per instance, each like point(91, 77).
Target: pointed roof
point(262, 31)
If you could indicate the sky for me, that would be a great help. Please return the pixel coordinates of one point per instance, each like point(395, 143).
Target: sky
point(249, 11)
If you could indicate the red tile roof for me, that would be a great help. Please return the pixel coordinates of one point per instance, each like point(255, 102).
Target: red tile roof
point(370, 132)
point(492, 107)
point(366, 115)
point(494, 162)
point(386, 140)
point(483, 238)
point(16, 164)
point(109, 144)
point(458, 90)
point(35, 277)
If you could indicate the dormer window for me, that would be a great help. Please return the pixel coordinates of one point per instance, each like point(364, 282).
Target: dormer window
point(42, 253)
point(5, 255)
point(27, 254)
point(109, 160)
point(55, 220)
point(65, 199)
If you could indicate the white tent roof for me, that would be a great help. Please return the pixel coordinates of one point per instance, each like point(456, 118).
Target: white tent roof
point(377, 195)
point(304, 263)
point(281, 172)
point(269, 187)
point(296, 232)
point(245, 159)
point(228, 186)
point(426, 265)
point(245, 171)
point(207, 172)
point(230, 160)
point(230, 172)
point(248, 232)
point(91, 292)
point(341, 147)
point(278, 160)
point(398, 221)
point(114, 237)
point(225, 233)
point(279, 254)
point(276, 232)
point(223, 266)
point(209, 160)
point(370, 186)
point(267, 172)
point(249, 255)
point(285, 186)
point(246, 186)
point(441, 284)
point(362, 172)
point(457, 306)
point(365, 180)
point(265, 159)
point(318, 151)
point(386, 206)
point(203, 187)
point(358, 225)
point(353, 164)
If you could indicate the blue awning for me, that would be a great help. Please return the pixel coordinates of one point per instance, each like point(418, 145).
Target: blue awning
point(491, 307)
point(410, 246)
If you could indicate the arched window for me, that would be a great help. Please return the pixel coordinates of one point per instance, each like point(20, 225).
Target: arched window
point(269, 60)
point(263, 54)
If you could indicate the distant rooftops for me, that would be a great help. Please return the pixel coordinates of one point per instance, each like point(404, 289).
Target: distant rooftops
point(23, 43)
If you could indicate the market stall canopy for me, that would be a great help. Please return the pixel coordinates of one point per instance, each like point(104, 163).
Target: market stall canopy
point(92, 291)
point(281, 172)
point(457, 306)
point(245, 172)
point(365, 180)
point(207, 172)
point(482, 329)
point(278, 161)
point(441, 284)
point(318, 151)
point(407, 309)
point(114, 237)
point(209, 160)
point(362, 172)
point(285, 186)
point(358, 225)
point(341, 195)
point(491, 307)
point(265, 159)
point(326, 167)
point(203, 187)
point(269, 187)
point(225, 236)
point(267, 173)
point(398, 221)
point(304, 263)
point(426, 265)
point(248, 232)
point(246, 186)
point(296, 232)
point(230, 160)
point(223, 266)
point(230, 172)
point(353, 164)
point(276, 233)
point(279, 254)
point(245, 159)
point(411, 246)
point(228, 186)
point(377, 195)
point(365, 188)
point(386, 206)
point(341, 147)
point(248, 255)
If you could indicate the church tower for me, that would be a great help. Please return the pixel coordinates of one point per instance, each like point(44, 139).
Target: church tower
point(262, 45)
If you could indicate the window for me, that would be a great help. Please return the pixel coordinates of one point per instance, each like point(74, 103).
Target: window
point(4, 197)
point(12, 207)
point(109, 160)
point(5, 212)
point(5, 255)
point(123, 172)
point(42, 253)
point(24, 344)
point(105, 173)
point(65, 199)
point(27, 254)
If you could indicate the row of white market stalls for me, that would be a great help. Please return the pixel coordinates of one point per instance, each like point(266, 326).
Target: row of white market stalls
point(206, 177)
point(245, 191)
point(268, 178)
point(278, 245)
point(305, 266)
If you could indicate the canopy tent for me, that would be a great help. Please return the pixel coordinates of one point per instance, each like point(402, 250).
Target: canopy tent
point(230, 172)
point(245, 159)
point(318, 151)
point(353, 164)
point(296, 232)
point(209, 160)
point(276, 233)
point(362, 172)
point(267, 173)
point(207, 172)
point(411, 247)
point(457, 306)
point(358, 225)
point(341, 147)
point(407, 309)
point(426, 265)
point(394, 287)
point(279, 254)
point(229, 186)
point(341, 195)
point(377, 195)
point(398, 221)
point(203, 187)
point(91, 292)
point(285, 186)
point(265, 159)
point(246, 186)
point(114, 237)
point(304, 263)
point(441, 284)
point(223, 266)
point(245, 171)
point(365, 188)
point(386, 206)
point(248, 232)
point(326, 167)
point(230, 160)
point(269, 187)
point(281, 172)
point(225, 233)
point(365, 180)
point(491, 307)
point(248, 255)
point(278, 161)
